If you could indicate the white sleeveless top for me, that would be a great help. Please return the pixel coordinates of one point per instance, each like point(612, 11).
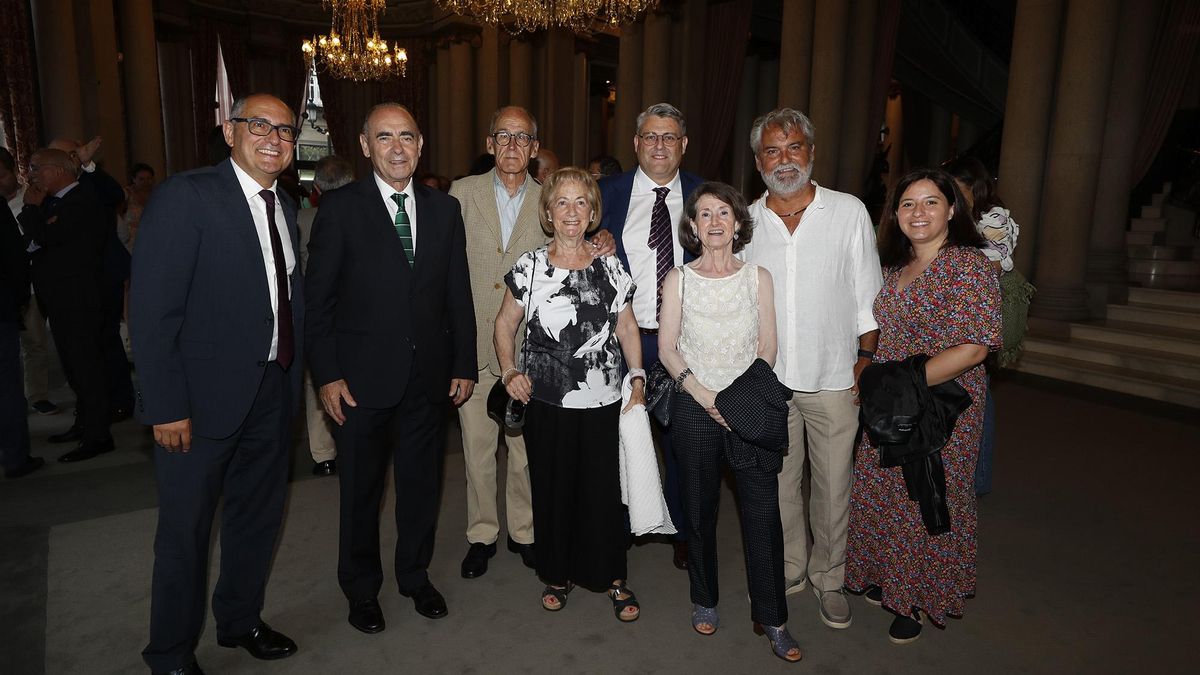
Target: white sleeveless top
point(719, 330)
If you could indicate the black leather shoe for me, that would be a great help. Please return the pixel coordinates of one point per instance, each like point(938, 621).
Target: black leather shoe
point(680, 558)
point(72, 435)
point(326, 468)
point(27, 467)
point(367, 616)
point(429, 602)
point(87, 450)
point(262, 643)
point(528, 557)
point(475, 564)
point(192, 668)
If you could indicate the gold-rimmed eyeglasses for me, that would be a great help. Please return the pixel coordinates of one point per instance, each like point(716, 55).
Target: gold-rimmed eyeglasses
point(668, 140)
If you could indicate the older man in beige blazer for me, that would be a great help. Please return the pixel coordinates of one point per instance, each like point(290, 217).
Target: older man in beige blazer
point(500, 212)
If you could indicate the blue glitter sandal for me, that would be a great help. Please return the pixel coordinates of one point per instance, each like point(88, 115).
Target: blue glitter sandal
point(702, 615)
point(782, 642)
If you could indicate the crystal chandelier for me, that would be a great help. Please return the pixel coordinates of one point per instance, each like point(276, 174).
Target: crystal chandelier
point(353, 49)
point(532, 15)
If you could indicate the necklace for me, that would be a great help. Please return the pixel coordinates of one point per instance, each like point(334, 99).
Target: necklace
point(789, 215)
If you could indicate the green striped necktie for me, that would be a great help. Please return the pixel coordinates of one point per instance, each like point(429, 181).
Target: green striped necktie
point(404, 226)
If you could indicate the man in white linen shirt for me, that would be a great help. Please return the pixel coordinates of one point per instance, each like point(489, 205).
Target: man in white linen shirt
point(819, 246)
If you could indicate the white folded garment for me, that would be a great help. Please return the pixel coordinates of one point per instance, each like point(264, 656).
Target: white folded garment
point(641, 488)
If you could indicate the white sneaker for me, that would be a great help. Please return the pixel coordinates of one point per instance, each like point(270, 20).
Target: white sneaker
point(835, 610)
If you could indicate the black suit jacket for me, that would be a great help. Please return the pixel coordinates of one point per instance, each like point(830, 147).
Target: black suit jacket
point(67, 266)
point(200, 310)
point(375, 321)
point(614, 196)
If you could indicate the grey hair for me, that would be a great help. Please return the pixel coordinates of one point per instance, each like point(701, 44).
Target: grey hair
point(786, 119)
point(332, 172)
point(663, 110)
point(500, 111)
point(387, 104)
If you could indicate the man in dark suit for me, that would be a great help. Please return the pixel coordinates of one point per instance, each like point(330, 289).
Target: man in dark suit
point(67, 247)
point(216, 315)
point(392, 341)
point(642, 209)
point(14, 294)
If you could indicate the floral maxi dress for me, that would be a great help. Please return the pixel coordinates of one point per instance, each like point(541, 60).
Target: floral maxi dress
point(956, 300)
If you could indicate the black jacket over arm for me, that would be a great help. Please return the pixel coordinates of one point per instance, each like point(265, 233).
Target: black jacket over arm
point(374, 320)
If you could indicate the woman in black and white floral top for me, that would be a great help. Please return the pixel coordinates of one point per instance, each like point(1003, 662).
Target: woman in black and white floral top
point(580, 323)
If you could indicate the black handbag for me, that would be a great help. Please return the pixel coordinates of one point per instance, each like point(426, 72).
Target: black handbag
point(660, 393)
point(501, 407)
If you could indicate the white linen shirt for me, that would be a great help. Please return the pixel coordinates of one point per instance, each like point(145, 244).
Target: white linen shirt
point(258, 209)
point(643, 260)
point(826, 276)
point(410, 205)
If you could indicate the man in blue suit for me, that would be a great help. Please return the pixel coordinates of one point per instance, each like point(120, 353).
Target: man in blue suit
point(642, 208)
point(217, 315)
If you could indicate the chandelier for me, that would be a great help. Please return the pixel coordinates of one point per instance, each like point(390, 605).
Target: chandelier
point(353, 49)
point(532, 15)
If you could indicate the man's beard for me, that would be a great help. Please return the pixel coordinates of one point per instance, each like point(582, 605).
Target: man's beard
point(780, 186)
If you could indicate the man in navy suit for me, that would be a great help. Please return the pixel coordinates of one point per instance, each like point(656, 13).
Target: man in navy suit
point(217, 315)
point(642, 209)
point(392, 342)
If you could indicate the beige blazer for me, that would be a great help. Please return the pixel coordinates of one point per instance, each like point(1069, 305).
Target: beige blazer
point(487, 259)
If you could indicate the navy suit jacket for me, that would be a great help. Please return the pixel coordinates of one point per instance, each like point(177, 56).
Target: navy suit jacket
point(200, 312)
point(374, 320)
point(614, 198)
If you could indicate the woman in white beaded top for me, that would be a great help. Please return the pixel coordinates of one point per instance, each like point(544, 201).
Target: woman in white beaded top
point(717, 318)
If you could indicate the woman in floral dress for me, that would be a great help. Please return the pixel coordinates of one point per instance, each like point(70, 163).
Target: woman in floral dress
point(939, 297)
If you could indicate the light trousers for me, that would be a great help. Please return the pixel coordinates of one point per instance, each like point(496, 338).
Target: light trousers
point(828, 421)
point(480, 439)
point(320, 436)
point(34, 341)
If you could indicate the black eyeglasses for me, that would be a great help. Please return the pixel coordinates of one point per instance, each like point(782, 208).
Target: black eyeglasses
point(668, 140)
point(503, 137)
point(261, 127)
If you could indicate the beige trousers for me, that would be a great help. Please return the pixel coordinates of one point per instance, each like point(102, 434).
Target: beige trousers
point(829, 420)
point(480, 439)
point(320, 440)
point(33, 353)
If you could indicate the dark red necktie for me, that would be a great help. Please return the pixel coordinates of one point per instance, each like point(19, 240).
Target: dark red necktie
point(286, 348)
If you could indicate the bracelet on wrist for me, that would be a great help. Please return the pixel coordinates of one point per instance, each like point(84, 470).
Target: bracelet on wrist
point(504, 376)
point(866, 354)
point(637, 374)
point(681, 377)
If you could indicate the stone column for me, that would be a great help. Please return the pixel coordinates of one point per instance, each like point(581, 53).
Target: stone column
point(796, 54)
point(58, 68)
point(940, 122)
point(1027, 118)
point(444, 126)
point(463, 144)
point(1073, 163)
point(1106, 262)
point(580, 105)
point(830, 21)
point(487, 82)
point(110, 113)
point(656, 56)
point(894, 116)
point(858, 140)
point(629, 94)
point(558, 95)
point(742, 160)
point(691, 75)
point(143, 100)
point(520, 73)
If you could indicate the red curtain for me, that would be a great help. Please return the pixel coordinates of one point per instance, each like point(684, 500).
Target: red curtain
point(1174, 56)
point(204, 82)
point(726, 34)
point(18, 86)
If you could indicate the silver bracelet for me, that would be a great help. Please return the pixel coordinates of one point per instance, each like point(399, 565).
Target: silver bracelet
point(681, 377)
point(505, 374)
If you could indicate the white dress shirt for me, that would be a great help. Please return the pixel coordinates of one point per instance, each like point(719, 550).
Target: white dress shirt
point(826, 276)
point(410, 205)
point(643, 260)
point(258, 209)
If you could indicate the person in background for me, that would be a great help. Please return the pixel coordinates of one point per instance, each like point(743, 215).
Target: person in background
point(544, 164)
point(14, 294)
point(603, 166)
point(137, 193)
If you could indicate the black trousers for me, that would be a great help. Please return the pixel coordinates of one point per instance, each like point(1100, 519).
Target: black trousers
point(412, 436)
point(14, 424)
point(79, 338)
point(574, 477)
point(116, 364)
point(699, 444)
point(249, 469)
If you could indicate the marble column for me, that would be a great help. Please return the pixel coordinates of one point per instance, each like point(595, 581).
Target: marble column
point(463, 144)
point(110, 111)
point(1106, 261)
point(558, 87)
point(830, 21)
point(656, 54)
point(1027, 118)
point(143, 100)
point(858, 139)
point(581, 122)
point(691, 75)
point(487, 82)
point(1073, 162)
point(520, 73)
point(58, 68)
point(741, 158)
point(629, 94)
point(443, 130)
point(796, 54)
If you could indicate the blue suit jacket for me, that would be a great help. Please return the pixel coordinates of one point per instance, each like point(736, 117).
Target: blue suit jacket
point(200, 309)
point(614, 197)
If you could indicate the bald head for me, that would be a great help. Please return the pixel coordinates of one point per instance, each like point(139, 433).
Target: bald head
point(547, 164)
point(51, 170)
